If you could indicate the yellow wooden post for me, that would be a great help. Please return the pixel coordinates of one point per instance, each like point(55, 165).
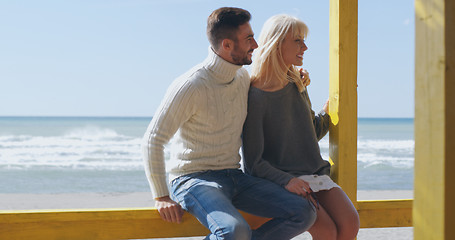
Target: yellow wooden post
point(343, 94)
point(434, 208)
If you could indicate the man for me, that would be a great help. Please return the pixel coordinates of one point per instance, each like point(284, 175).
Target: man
point(207, 107)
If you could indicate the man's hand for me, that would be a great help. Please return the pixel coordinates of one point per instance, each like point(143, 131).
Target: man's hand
point(298, 186)
point(169, 210)
point(305, 77)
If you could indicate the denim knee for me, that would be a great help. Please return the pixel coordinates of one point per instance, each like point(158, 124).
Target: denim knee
point(306, 216)
point(240, 230)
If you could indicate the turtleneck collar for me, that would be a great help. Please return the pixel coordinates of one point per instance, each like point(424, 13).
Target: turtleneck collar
point(222, 70)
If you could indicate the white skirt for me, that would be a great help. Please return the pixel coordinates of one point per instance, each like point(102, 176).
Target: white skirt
point(319, 182)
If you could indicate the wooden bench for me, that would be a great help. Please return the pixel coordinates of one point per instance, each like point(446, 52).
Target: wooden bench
point(140, 223)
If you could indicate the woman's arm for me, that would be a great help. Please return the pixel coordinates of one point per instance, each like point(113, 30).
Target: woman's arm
point(321, 121)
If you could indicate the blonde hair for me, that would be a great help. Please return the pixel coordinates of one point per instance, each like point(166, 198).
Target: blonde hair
point(268, 61)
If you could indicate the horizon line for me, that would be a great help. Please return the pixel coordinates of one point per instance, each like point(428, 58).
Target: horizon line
point(113, 116)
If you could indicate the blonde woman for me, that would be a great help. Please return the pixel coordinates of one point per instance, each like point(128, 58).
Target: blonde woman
point(281, 132)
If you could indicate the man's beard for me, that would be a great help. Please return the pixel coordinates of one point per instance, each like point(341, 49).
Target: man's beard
point(240, 60)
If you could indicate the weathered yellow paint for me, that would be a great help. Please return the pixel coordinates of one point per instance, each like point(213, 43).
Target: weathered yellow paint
point(386, 213)
point(343, 94)
point(136, 223)
point(94, 224)
point(133, 223)
point(434, 210)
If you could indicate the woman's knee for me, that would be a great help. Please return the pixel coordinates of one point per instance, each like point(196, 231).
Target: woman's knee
point(325, 234)
point(350, 227)
point(324, 228)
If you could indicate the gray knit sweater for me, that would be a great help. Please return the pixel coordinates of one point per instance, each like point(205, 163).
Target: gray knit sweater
point(280, 135)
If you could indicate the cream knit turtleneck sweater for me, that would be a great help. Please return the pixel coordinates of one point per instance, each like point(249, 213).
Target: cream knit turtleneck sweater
point(208, 106)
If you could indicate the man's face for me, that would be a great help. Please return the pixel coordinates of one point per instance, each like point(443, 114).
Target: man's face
point(244, 45)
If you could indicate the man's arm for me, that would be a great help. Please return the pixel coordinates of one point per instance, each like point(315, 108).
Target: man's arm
point(175, 109)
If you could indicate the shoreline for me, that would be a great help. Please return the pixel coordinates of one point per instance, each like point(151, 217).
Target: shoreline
point(29, 201)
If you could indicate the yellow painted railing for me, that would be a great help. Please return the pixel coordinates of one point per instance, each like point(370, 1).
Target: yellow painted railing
point(140, 223)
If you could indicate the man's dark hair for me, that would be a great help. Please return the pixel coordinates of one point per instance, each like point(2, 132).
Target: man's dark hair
point(224, 22)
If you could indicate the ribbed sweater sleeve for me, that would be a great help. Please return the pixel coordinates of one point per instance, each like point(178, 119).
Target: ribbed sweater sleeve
point(321, 121)
point(176, 107)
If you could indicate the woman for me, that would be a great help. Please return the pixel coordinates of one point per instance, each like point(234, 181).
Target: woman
point(281, 132)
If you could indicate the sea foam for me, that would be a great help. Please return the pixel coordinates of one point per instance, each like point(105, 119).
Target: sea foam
point(87, 147)
point(106, 149)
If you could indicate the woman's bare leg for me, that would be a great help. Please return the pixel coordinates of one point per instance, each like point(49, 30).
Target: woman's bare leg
point(323, 228)
point(341, 211)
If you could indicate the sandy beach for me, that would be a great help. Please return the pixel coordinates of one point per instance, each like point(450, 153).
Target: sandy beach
point(25, 201)
point(145, 199)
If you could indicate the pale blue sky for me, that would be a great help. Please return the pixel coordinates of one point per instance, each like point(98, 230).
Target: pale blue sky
point(117, 57)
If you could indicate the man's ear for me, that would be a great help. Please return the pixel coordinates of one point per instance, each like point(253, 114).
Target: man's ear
point(227, 44)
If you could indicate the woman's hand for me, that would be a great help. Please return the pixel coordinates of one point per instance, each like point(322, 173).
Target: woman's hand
point(305, 77)
point(298, 186)
point(326, 106)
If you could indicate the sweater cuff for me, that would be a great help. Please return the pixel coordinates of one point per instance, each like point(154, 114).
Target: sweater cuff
point(323, 113)
point(285, 180)
point(159, 187)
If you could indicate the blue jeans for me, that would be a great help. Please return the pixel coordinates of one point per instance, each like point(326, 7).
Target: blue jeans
point(213, 197)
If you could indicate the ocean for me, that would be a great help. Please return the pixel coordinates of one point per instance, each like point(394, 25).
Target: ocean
point(102, 154)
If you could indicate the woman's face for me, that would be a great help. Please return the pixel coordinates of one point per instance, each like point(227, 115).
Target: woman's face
point(292, 49)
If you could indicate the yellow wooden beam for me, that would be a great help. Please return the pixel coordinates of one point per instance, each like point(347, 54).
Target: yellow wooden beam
point(385, 213)
point(343, 94)
point(140, 223)
point(130, 223)
point(94, 224)
point(434, 210)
